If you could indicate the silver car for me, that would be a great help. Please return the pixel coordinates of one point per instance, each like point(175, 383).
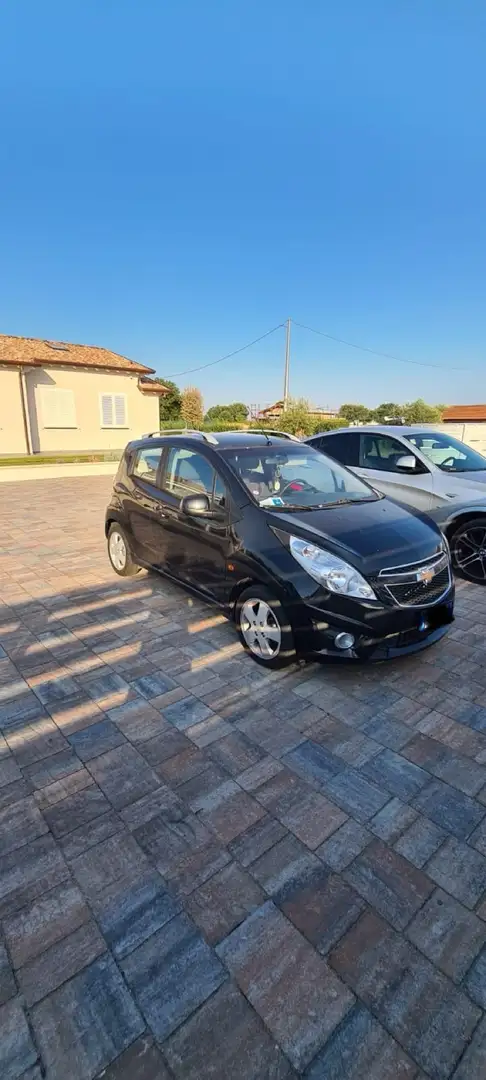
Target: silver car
point(428, 470)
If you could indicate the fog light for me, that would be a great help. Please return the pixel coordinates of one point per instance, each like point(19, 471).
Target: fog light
point(344, 641)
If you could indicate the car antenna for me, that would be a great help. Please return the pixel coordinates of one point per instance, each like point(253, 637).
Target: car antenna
point(261, 431)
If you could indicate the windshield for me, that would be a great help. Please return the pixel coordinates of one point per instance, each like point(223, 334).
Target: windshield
point(296, 479)
point(447, 453)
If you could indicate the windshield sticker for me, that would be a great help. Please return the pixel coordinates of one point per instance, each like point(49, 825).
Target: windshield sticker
point(274, 501)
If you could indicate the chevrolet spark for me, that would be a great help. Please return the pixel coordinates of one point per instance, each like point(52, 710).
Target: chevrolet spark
point(304, 555)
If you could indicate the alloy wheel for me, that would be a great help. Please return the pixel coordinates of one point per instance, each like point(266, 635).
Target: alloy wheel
point(118, 550)
point(260, 628)
point(470, 553)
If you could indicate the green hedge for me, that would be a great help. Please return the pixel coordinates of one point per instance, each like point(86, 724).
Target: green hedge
point(60, 459)
point(312, 425)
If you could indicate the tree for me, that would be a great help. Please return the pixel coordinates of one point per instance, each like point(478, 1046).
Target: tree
point(192, 408)
point(418, 412)
point(170, 404)
point(235, 413)
point(355, 413)
point(297, 419)
point(389, 410)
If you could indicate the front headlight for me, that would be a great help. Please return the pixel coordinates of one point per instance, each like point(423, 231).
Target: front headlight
point(328, 570)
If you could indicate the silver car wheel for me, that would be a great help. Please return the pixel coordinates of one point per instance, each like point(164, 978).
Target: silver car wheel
point(261, 629)
point(118, 550)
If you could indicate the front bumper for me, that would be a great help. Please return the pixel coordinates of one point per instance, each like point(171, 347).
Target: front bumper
point(396, 631)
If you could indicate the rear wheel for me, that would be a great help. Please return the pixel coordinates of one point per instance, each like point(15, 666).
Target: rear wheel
point(119, 552)
point(468, 550)
point(264, 628)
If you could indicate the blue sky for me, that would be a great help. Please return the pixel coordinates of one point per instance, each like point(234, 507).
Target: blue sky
point(177, 178)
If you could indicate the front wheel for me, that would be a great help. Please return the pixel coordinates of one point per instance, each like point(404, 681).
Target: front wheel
point(468, 550)
point(119, 552)
point(264, 628)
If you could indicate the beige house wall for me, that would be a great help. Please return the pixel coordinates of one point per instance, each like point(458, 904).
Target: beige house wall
point(12, 428)
point(88, 433)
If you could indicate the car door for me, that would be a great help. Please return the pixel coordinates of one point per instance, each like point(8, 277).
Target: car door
point(379, 464)
point(194, 548)
point(142, 501)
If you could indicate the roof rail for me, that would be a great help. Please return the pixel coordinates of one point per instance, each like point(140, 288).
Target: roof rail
point(181, 431)
point(280, 434)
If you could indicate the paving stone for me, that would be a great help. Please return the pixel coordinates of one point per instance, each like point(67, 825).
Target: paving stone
point(7, 981)
point(450, 809)
point(57, 689)
point(259, 838)
point(306, 1003)
point(138, 721)
point(360, 1048)
point(14, 792)
point(183, 766)
point(390, 822)
point(283, 863)
point(478, 838)
point(118, 857)
point(223, 902)
point(430, 1017)
point(225, 1039)
point(471, 1066)
point(38, 740)
point(305, 812)
point(17, 1051)
point(206, 788)
point(448, 934)
point(162, 802)
point(231, 813)
point(19, 824)
point(95, 1001)
point(253, 778)
point(389, 732)
point(43, 773)
point(165, 747)
point(150, 686)
point(45, 920)
point(60, 962)
point(96, 739)
point(76, 810)
point(142, 1061)
point(420, 841)
point(389, 883)
point(356, 795)
point(399, 776)
point(172, 974)
point(9, 770)
point(446, 765)
point(460, 870)
point(60, 789)
point(344, 845)
point(276, 737)
point(184, 714)
point(475, 983)
point(29, 872)
point(22, 711)
point(123, 776)
point(321, 906)
point(314, 763)
point(129, 911)
point(236, 753)
point(87, 836)
point(185, 852)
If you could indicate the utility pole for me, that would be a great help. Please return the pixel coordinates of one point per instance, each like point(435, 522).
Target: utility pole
point(287, 364)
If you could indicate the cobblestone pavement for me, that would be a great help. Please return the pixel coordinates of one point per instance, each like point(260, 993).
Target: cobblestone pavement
point(208, 871)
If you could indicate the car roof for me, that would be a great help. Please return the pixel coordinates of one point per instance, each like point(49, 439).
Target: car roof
point(378, 429)
point(217, 440)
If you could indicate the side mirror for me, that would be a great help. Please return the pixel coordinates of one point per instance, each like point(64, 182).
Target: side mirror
point(195, 505)
point(407, 462)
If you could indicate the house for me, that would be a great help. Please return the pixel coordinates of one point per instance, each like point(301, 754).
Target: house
point(56, 396)
point(464, 414)
point(273, 412)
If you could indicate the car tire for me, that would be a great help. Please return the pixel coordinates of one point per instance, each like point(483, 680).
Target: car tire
point(271, 643)
point(119, 552)
point(468, 539)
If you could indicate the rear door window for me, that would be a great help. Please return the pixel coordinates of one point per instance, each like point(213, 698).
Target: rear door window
point(342, 447)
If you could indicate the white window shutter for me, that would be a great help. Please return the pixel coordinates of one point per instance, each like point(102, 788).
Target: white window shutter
point(119, 410)
point(58, 408)
point(106, 410)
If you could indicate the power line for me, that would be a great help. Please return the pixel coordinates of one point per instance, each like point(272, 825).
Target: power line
point(376, 352)
point(228, 356)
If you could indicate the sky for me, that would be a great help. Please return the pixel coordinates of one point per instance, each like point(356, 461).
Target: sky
point(177, 178)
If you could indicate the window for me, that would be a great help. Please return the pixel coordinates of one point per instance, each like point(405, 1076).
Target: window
point(113, 410)
point(58, 408)
point(448, 453)
point(344, 448)
point(146, 464)
point(382, 452)
point(188, 473)
point(297, 478)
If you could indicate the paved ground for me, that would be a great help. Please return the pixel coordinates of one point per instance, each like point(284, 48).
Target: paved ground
point(211, 872)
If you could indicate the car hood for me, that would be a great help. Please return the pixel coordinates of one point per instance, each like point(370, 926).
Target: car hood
point(370, 535)
point(465, 484)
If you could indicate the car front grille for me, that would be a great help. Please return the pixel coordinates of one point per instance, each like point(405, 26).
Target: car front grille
point(419, 585)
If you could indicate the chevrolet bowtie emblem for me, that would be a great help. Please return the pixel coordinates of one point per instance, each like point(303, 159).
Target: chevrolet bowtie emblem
point(425, 575)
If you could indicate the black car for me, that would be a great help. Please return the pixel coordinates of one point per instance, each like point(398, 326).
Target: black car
point(305, 556)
